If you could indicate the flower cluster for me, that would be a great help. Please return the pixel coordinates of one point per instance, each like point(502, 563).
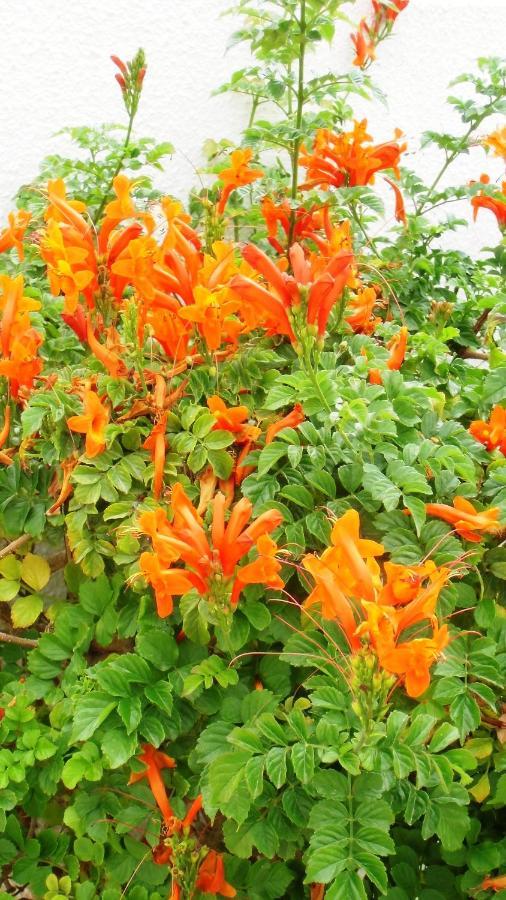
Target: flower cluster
point(377, 612)
point(193, 866)
point(210, 558)
point(350, 159)
point(370, 34)
point(19, 340)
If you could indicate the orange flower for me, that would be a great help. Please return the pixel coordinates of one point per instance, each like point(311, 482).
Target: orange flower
point(122, 207)
point(397, 346)
point(492, 433)
point(350, 159)
point(328, 595)
point(349, 590)
point(156, 444)
point(13, 235)
point(412, 660)
point(213, 312)
point(233, 419)
point(165, 582)
point(404, 582)
point(298, 223)
point(360, 315)
point(497, 142)
point(348, 567)
point(6, 427)
point(374, 376)
point(316, 291)
point(365, 45)
point(468, 522)
point(389, 12)
point(211, 876)
point(345, 159)
point(238, 175)
point(155, 761)
point(493, 883)
point(22, 366)
point(264, 570)
point(496, 204)
point(210, 560)
point(92, 423)
point(294, 418)
point(356, 555)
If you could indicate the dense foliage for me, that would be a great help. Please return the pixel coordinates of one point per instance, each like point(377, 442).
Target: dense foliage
point(253, 503)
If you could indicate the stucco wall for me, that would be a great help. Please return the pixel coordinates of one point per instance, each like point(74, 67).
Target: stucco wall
point(56, 71)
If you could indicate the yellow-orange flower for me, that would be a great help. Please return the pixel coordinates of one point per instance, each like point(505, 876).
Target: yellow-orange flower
point(210, 560)
point(92, 423)
point(492, 433)
point(496, 141)
point(237, 175)
point(467, 521)
point(13, 235)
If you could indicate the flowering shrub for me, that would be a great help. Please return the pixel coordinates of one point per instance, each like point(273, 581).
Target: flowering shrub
point(253, 503)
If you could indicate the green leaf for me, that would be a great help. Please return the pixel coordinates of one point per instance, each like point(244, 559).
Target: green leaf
point(26, 610)
point(160, 694)
point(465, 712)
point(380, 487)
point(269, 456)
point(8, 590)
point(221, 462)
point(10, 568)
point(92, 710)
point(303, 761)
point(275, 766)
point(130, 712)
point(35, 571)
point(349, 886)
point(218, 440)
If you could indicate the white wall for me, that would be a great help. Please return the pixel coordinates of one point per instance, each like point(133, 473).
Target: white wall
point(56, 71)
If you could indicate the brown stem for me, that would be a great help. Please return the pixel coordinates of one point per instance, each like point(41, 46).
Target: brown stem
point(10, 548)
point(13, 639)
point(467, 353)
point(480, 321)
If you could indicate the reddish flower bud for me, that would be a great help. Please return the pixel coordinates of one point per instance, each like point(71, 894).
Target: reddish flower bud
point(120, 64)
point(121, 81)
point(140, 77)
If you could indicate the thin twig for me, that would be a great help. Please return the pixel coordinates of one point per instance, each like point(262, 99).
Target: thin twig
point(13, 639)
point(10, 548)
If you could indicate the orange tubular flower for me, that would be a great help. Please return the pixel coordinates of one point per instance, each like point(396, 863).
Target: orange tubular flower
point(210, 560)
point(92, 423)
point(155, 761)
point(233, 419)
point(346, 160)
point(374, 614)
point(6, 427)
point(13, 235)
point(156, 444)
point(350, 159)
point(497, 142)
point(294, 418)
point(365, 45)
point(316, 291)
point(360, 315)
point(467, 521)
point(237, 175)
point(493, 883)
point(211, 876)
point(496, 204)
point(492, 433)
point(412, 660)
point(397, 347)
point(19, 342)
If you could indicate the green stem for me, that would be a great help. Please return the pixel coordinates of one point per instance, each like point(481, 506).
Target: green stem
point(118, 166)
point(298, 114)
point(453, 156)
